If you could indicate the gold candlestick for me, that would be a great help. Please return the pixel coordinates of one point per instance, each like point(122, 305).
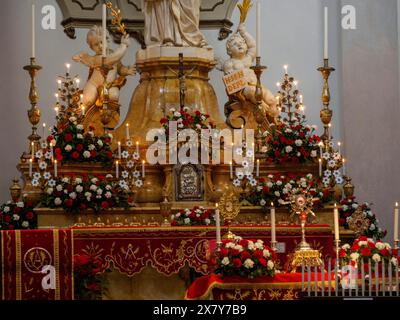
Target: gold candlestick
point(34, 113)
point(326, 113)
point(259, 113)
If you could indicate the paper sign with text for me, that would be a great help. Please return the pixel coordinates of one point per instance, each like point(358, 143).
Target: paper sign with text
point(235, 81)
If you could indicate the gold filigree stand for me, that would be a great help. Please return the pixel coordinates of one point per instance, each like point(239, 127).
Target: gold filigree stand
point(229, 206)
point(34, 113)
point(326, 113)
point(259, 114)
point(308, 257)
point(165, 211)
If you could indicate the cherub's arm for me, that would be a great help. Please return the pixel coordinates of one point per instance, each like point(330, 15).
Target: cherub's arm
point(86, 59)
point(119, 53)
point(126, 71)
point(251, 43)
point(228, 67)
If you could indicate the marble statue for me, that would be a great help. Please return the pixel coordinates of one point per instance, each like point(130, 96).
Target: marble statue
point(116, 76)
point(241, 47)
point(173, 23)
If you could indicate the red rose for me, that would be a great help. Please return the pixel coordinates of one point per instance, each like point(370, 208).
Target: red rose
point(395, 252)
point(68, 137)
point(7, 219)
point(69, 203)
point(105, 205)
point(75, 155)
point(366, 252)
point(245, 255)
point(50, 138)
point(277, 153)
point(262, 180)
point(258, 254)
point(237, 263)
point(355, 247)
point(363, 238)
point(11, 227)
point(107, 140)
point(385, 252)
point(235, 252)
point(93, 154)
point(371, 244)
point(174, 223)
point(224, 252)
point(282, 139)
point(79, 147)
point(59, 157)
point(244, 243)
point(57, 150)
point(342, 221)
point(342, 253)
point(29, 203)
point(265, 189)
point(83, 206)
point(263, 262)
point(29, 215)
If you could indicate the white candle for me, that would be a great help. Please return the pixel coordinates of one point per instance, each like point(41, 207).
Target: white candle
point(396, 222)
point(217, 224)
point(78, 81)
point(137, 147)
point(30, 167)
point(56, 109)
point(143, 169)
point(104, 42)
point(117, 169)
point(336, 221)
point(44, 129)
point(258, 168)
point(231, 169)
point(321, 144)
point(243, 134)
point(57, 97)
point(59, 82)
point(55, 169)
point(33, 32)
point(83, 110)
point(320, 167)
point(326, 56)
point(286, 67)
point(273, 226)
point(344, 166)
point(128, 134)
point(301, 99)
point(68, 66)
point(339, 145)
point(119, 150)
point(32, 150)
point(258, 44)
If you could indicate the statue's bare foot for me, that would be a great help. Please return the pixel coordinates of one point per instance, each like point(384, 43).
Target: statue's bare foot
point(205, 45)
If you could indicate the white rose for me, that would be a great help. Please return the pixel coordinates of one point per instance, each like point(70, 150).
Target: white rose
point(266, 253)
point(270, 265)
point(313, 153)
point(88, 194)
point(65, 180)
point(263, 202)
point(68, 148)
point(270, 184)
point(50, 191)
point(354, 205)
point(230, 245)
point(100, 143)
point(288, 149)
point(110, 136)
point(394, 261)
point(238, 247)
point(372, 227)
point(25, 224)
point(79, 136)
point(298, 143)
point(78, 181)
point(92, 147)
point(93, 187)
point(345, 208)
point(362, 243)
point(178, 215)
point(72, 195)
point(79, 189)
point(277, 193)
point(346, 246)
point(59, 188)
point(248, 264)
point(207, 221)
point(79, 127)
point(354, 256)
point(259, 245)
point(225, 261)
point(86, 154)
point(72, 119)
point(99, 191)
point(20, 204)
point(279, 183)
point(186, 221)
point(6, 209)
point(251, 246)
point(94, 180)
point(57, 201)
point(108, 195)
point(16, 217)
point(376, 257)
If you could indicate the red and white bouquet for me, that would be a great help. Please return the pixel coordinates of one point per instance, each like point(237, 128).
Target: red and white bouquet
point(19, 215)
point(367, 249)
point(292, 143)
point(72, 143)
point(187, 119)
point(193, 217)
point(245, 258)
point(80, 193)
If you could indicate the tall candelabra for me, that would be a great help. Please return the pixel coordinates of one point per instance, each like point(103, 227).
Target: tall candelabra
point(259, 113)
point(326, 113)
point(34, 112)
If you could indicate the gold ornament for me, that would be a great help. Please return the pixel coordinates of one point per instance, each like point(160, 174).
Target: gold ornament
point(15, 190)
point(358, 222)
point(117, 18)
point(244, 10)
point(229, 206)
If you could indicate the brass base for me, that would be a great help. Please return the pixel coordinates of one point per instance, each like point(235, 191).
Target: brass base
point(305, 256)
point(229, 235)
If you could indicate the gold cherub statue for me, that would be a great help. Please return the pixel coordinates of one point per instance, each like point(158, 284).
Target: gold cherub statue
point(107, 73)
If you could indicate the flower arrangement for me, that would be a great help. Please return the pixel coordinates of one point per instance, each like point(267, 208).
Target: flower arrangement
point(187, 120)
point(19, 215)
point(71, 143)
point(278, 189)
point(292, 143)
point(75, 194)
point(90, 284)
point(193, 217)
point(349, 207)
point(369, 250)
point(245, 258)
point(332, 161)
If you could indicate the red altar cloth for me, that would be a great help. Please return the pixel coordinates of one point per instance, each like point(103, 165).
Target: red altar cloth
point(25, 253)
point(284, 286)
